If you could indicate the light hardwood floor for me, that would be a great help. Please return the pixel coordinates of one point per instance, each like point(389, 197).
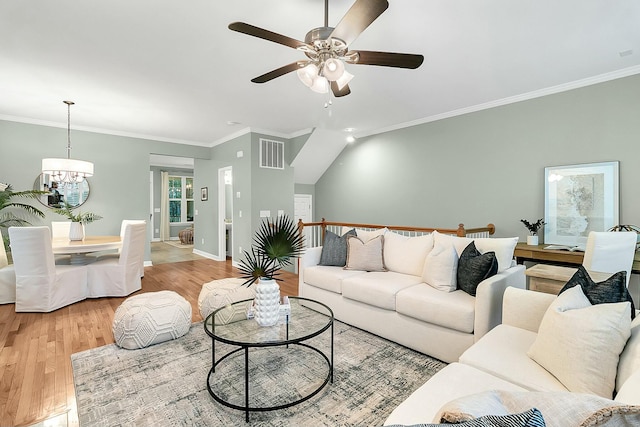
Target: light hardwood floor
point(35, 348)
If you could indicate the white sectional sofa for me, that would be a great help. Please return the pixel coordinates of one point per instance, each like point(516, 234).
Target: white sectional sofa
point(498, 368)
point(407, 303)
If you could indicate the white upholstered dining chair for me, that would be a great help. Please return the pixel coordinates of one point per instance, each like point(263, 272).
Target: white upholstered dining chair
point(119, 276)
point(610, 252)
point(41, 285)
point(7, 278)
point(123, 226)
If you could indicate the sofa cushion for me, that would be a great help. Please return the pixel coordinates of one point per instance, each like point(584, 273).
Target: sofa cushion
point(334, 249)
point(614, 289)
point(502, 246)
point(328, 278)
point(503, 352)
point(453, 381)
point(580, 343)
point(560, 409)
point(453, 310)
point(630, 356)
point(404, 254)
point(378, 289)
point(365, 256)
point(441, 266)
point(474, 267)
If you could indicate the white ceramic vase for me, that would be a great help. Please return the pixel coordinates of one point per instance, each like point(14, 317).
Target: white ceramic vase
point(76, 231)
point(267, 302)
point(532, 240)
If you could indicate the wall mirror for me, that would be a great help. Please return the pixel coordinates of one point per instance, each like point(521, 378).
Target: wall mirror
point(75, 194)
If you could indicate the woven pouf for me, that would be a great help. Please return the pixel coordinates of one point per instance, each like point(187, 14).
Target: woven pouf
point(151, 318)
point(223, 292)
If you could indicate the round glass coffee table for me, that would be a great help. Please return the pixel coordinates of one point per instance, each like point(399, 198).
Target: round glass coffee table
point(260, 356)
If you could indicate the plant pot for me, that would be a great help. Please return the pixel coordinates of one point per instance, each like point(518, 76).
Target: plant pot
point(76, 231)
point(532, 240)
point(267, 302)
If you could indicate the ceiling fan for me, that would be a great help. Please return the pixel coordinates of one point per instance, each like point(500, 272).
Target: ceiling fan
point(327, 49)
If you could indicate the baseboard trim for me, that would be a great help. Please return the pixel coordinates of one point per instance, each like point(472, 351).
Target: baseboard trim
point(208, 255)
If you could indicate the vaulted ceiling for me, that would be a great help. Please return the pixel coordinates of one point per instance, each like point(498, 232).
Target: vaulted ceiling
point(172, 70)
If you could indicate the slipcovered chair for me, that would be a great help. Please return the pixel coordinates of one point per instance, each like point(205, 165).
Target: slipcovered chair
point(41, 285)
point(123, 225)
point(7, 278)
point(118, 277)
point(610, 252)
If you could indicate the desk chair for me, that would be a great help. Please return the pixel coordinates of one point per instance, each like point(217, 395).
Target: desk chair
point(610, 252)
point(41, 285)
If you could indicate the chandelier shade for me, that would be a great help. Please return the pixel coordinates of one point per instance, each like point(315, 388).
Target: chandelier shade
point(67, 170)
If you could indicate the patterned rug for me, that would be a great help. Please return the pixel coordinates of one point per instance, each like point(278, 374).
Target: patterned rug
point(165, 384)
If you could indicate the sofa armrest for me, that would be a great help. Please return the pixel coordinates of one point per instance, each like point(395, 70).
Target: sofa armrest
point(310, 258)
point(525, 309)
point(488, 313)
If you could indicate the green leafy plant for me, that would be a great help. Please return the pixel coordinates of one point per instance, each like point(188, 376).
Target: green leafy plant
point(84, 218)
point(274, 244)
point(9, 217)
point(533, 227)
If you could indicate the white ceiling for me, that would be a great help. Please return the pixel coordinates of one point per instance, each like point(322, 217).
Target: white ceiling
point(171, 70)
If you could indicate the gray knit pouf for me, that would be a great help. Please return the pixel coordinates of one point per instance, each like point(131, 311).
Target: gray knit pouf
point(224, 292)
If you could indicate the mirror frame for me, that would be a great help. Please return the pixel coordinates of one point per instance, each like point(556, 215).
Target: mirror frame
point(74, 191)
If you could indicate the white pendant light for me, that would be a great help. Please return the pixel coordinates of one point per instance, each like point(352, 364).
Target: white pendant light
point(67, 170)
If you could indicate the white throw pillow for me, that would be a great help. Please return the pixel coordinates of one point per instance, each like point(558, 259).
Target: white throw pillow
point(441, 266)
point(580, 343)
point(503, 248)
point(630, 356)
point(406, 255)
point(366, 235)
point(366, 256)
point(460, 243)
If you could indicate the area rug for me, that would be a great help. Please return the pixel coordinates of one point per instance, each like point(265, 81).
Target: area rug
point(177, 244)
point(165, 384)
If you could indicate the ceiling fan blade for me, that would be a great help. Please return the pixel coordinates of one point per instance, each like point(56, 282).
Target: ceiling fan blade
point(337, 92)
point(385, 59)
point(261, 33)
point(279, 72)
point(358, 18)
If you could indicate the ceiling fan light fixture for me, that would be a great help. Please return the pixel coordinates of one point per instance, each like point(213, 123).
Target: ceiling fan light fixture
point(333, 69)
point(308, 74)
point(320, 85)
point(344, 79)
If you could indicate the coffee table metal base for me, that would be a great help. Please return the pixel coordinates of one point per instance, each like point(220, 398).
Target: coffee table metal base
point(247, 408)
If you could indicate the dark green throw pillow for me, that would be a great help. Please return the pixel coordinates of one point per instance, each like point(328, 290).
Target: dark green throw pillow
point(474, 267)
point(612, 290)
point(334, 249)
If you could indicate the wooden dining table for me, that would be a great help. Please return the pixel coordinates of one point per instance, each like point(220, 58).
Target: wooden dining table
point(78, 249)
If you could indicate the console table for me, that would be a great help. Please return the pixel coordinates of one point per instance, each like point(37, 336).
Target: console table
point(538, 253)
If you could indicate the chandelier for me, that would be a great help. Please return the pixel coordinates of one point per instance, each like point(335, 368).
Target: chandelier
point(67, 170)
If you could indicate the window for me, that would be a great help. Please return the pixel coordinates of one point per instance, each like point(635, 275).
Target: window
point(181, 205)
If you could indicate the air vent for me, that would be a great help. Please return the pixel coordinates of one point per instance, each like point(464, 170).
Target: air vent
point(271, 154)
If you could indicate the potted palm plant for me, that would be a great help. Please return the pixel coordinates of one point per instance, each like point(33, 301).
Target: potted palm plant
point(9, 208)
point(76, 231)
point(275, 243)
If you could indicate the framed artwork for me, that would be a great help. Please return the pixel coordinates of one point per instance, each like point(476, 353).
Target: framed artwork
point(579, 199)
point(204, 193)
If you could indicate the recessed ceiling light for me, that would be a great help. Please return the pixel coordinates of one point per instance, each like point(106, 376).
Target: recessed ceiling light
point(231, 123)
point(351, 138)
point(625, 53)
point(349, 129)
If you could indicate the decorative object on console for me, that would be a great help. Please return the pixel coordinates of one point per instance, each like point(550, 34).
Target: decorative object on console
point(612, 290)
point(533, 228)
point(67, 170)
point(274, 244)
point(76, 231)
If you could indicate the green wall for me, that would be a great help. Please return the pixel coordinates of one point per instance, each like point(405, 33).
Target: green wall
point(487, 166)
